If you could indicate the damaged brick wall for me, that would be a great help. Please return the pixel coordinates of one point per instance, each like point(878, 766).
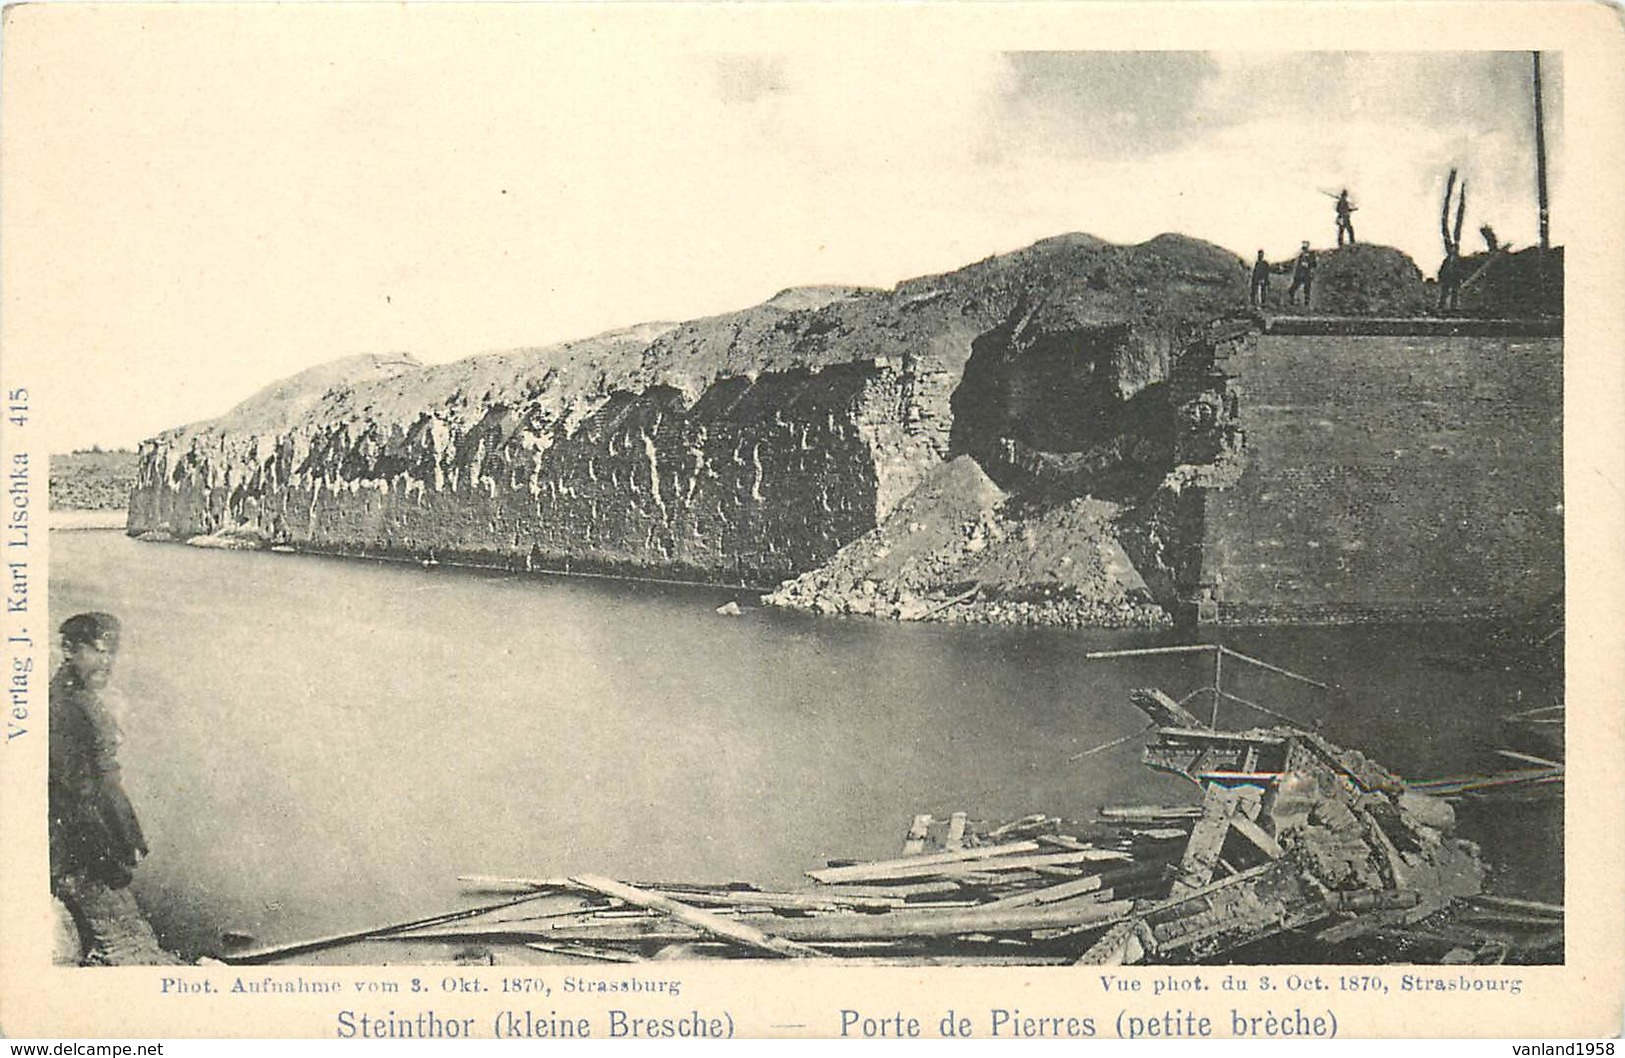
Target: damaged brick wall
point(1390, 477)
point(753, 481)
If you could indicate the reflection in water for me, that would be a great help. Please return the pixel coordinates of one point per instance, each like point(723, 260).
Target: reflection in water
point(319, 744)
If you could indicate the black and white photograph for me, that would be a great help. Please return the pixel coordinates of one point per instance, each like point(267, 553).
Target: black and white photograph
point(520, 514)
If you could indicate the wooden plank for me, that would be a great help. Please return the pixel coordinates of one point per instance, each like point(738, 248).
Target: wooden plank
point(1207, 840)
point(1025, 863)
point(1538, 711)
point(1048, 894)
point(728, 929)
point(1160, 834)
point(1529, 758)
point(1106, 745)
point(1266, 710)
point(1516, 904)
point(945, 603)
point(1255, 834)
point(1175, 899)
point(505, 926)
point(790, 901)
point(1347, 930)
point(977, 879)
point(1488, 917)
point(333, 940)
point(517, 931)
point(904, 891)
point(914, 843)
point(1072, 931)
point(1446, 787)
point(1038, 819)
point(1252, 778)
point(1244, 926)
point(1239, 656)
point(1150, 813)
point(1163, 710)
point(1112, 947)
point(956, 832)
point(1142, 652)
point(1207, 737)
point(912, 866)
point(501, 883)
point(585, 951)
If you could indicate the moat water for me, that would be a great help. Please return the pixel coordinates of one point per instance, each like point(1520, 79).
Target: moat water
point(317, 745)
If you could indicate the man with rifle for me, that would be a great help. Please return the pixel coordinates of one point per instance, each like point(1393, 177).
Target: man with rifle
point(1345, 219)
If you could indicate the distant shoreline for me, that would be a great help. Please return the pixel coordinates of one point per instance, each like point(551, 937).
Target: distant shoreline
point(69, 520)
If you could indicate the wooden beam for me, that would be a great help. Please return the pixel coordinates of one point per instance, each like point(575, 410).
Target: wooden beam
point(1049, 859)
point(1049, 894)
point(1249, 659)
point(1256, 834)
point(1164, 711)
point(1150, 813)
point(586, 951)
point(900, 892)
point(728, 929)
point(1207, 839)
point(914, 866)
point(944, 604)
point(826, 898)
point(1266, 710)
point(914, 844)
point(333, 940)
point(1449, 787)
point(1529, 758)
point(1142, 652)
point(1091, 751)
point(1515, 904)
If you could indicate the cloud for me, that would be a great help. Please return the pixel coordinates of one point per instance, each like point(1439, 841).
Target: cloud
point(1102, 104)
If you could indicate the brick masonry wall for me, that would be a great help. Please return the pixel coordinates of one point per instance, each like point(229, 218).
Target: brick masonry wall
point(754, 482)
point(1391, 477)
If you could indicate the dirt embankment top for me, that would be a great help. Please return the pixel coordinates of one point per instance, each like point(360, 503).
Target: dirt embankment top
point(1365, 279)
point(1156, 291)
point(1369, 280)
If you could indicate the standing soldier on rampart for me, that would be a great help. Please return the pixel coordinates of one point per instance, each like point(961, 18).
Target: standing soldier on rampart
point(1303, 276)
point(1345, 219)
point(1261, 281)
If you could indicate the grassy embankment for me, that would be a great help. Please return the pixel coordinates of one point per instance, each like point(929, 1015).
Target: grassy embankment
point(91, 488)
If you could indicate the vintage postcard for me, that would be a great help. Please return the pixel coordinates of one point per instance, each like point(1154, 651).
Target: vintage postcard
point(1020, 521)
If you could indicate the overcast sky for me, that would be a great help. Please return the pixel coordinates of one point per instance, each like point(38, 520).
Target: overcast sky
point(226, 207)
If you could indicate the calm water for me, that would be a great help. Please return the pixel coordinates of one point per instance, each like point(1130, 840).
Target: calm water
point(317, 745)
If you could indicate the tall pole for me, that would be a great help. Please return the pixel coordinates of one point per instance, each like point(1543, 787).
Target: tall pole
point(1540, 162)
